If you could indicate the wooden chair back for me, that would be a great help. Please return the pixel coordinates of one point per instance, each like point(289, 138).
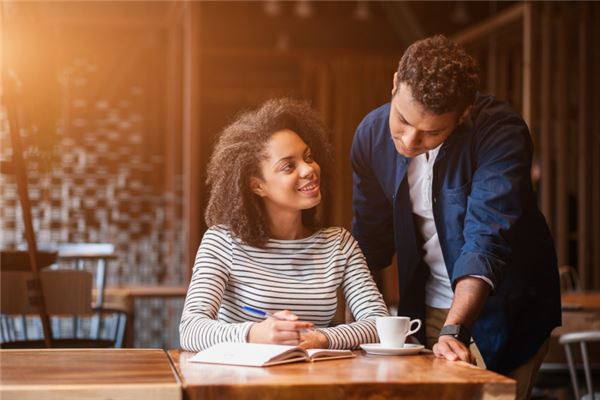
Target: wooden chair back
point(67, 292)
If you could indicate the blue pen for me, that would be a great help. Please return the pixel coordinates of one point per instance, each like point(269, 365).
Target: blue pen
point(258, 312)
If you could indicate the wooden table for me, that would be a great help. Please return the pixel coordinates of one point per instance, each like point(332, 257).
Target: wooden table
point(131, 374)
point(580, 312)
point(584, 301)
point(374, 377)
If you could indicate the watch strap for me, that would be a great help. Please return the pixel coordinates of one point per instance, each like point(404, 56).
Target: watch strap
point(457, 331)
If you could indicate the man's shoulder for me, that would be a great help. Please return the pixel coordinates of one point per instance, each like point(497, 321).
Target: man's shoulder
point(373, 130)
point(489, 110)
point(493, 122)
point(376, 120)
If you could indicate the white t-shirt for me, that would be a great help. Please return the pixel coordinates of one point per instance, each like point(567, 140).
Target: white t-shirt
point(438, 290)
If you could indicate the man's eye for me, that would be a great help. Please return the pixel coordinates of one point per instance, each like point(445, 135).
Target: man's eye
point(308, 157)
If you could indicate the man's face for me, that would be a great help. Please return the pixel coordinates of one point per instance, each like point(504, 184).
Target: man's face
point(414, 129)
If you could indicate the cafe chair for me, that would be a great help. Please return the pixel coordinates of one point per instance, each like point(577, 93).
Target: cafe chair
point(67, 293)
point(581, 338)
point(93, 257)
point(569, 279)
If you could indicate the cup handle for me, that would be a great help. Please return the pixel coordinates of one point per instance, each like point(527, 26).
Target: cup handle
point(410, 332)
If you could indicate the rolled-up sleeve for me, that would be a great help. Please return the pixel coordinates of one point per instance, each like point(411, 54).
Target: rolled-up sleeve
point(496, 201)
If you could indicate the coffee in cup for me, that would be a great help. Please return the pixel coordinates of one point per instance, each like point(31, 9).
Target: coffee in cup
point(393, 331)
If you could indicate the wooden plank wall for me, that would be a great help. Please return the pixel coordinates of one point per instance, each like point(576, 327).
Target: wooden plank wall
point(541, 58)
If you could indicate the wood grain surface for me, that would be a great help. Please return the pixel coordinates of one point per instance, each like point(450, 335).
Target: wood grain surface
point(145, 374)
point(364, 377)
point(583, 300)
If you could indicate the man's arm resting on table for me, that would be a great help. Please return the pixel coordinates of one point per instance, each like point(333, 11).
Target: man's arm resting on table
point(469, 297)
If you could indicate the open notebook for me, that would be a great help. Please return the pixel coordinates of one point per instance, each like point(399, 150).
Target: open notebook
point(264, 355)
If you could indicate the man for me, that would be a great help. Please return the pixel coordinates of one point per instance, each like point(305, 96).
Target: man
point(441, 178)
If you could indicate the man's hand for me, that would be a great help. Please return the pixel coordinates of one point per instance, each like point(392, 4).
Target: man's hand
point(469, 297)
point(314, 340)
point(282, 328)
point(451, 349)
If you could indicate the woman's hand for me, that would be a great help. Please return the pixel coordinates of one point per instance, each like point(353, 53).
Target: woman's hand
point(314, 340)
point(282, 328)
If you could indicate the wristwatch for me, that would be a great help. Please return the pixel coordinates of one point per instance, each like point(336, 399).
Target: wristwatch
point(457, 331)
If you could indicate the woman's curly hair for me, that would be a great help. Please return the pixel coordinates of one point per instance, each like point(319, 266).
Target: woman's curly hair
point(237, 156)
point(441, 75)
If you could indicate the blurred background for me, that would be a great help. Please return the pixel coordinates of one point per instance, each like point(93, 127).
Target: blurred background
point(120, 103)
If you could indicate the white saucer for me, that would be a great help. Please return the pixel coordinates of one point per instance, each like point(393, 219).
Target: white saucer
point(377, 348)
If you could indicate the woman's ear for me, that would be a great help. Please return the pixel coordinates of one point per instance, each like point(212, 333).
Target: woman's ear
point(256, 186)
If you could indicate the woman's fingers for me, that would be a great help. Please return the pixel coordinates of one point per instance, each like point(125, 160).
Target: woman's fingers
point(292, 325)
point(285, 315)
point(290, 342)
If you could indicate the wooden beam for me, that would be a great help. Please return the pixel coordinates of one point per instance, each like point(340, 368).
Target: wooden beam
point(483, 29)
point(191, 133)
point(546, 179)
point(562, 188)
point(583, 184)
point(527, 49)
point(595, 142)
point(172, 142)
point(492, 63)
point(35, 289)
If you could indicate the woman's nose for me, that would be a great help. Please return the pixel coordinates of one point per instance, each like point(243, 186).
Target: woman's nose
point(307, 171)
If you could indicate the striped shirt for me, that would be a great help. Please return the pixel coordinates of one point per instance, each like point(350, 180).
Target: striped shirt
point(298, 275)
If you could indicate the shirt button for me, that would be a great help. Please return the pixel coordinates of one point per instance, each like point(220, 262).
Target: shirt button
point(435, 199)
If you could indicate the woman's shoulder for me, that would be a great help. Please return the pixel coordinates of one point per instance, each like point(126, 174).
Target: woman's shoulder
point(336, 233)
point(218, 232)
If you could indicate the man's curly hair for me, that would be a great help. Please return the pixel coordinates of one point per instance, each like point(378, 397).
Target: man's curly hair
point(237, 156)
point(441, 75)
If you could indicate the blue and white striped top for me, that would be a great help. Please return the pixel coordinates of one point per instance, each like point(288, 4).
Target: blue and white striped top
point(299, 275)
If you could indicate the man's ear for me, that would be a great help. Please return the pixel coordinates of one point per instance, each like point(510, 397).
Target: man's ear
point(394, 86)
point(256, 186)
point(464, 115)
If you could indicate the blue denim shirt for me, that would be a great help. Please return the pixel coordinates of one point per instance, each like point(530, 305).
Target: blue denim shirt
point(487, 221)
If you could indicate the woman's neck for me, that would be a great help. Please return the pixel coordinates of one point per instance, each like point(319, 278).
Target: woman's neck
point(289, 228)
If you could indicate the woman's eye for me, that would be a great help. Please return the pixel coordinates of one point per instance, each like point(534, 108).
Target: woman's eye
point(287, 167)
point(308, 158)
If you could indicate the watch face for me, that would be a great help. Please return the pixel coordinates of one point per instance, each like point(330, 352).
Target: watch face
point(450, 330)
point(459, 332)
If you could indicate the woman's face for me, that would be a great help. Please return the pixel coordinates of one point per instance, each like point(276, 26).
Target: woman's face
point(290, 177)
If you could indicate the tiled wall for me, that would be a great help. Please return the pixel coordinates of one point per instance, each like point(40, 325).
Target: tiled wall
point(105, 185)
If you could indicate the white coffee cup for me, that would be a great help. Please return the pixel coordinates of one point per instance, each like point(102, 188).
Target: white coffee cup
point(393, 331)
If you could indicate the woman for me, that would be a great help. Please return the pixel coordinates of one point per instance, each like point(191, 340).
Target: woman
point(264, 248)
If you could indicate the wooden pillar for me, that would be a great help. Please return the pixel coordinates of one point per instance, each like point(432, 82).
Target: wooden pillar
point(527, 49)
point(595, 142)
point(562, 189)
point(502, 73)
point(492, 65)
point(172, 141)
point(545, 118)
point(583, 184)
point(11, 98)
point(191, 133)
